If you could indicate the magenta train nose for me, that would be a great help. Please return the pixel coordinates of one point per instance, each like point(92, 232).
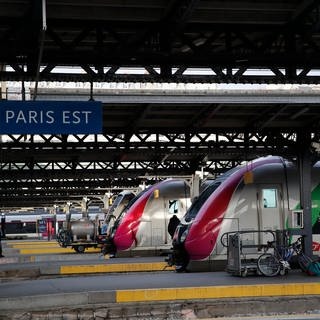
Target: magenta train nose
point(145, 222)
point(203, 233)
point(125, 235)
point(208, 225)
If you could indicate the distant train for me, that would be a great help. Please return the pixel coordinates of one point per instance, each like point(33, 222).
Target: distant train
point(144, 221)
point(119, 202)
point(37, 225)
point(21, 226)
point(260, 195)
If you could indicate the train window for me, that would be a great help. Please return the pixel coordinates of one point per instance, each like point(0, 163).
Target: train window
point(269, 197)
point(131, 202)
point(198, 202)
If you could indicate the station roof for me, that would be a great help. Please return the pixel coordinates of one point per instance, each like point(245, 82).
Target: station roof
point(153, 135)
point(210, 110)
point(165, 37)
point(157, 133)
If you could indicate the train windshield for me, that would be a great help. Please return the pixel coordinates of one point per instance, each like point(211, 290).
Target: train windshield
point(132, 201)
point(120, 198)
point(115, 203)
point(205, 194)
point(197, 204)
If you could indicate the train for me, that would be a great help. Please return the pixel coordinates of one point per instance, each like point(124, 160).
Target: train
point(118, 203)
point(21, 226)
point(75, 227)
point(259, 195)
point(37, 225)
point(143, 223)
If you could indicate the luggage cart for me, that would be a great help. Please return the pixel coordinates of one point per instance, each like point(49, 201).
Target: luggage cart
point(243, 250)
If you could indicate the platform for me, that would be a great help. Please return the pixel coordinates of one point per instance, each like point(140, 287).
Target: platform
point(86, 283)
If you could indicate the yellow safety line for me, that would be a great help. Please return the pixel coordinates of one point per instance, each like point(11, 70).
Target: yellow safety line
point(33, 245)
point(54, 250)
point(262, 290)
point(127, 267)
point(32, 241)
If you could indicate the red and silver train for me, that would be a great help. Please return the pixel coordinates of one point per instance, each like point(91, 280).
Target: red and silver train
point(144, 221)
point(260, 195)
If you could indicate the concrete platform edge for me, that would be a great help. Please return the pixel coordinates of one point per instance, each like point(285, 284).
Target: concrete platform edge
point(57, 300)
point(180, 309)
point(164, 294)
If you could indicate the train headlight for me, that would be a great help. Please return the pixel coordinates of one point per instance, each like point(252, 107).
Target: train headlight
point(183, 235)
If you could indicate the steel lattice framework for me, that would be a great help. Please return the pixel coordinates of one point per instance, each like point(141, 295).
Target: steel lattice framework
point(165, 39)
point(54, 168)
point(148, 136)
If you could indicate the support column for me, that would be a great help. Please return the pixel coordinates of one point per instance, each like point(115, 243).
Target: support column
point(305, 165)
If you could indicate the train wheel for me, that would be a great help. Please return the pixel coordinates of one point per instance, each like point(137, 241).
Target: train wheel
point(268, 265)
point(79, 249)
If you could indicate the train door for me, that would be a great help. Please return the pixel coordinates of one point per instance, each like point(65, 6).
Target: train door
point(270, 207)
point(158, 225)
point(151, 227)
point(160, 235)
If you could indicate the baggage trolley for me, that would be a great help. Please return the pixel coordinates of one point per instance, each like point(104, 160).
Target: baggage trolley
point(242, 255)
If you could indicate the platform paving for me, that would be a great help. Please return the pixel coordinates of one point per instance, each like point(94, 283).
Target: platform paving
point(32, 286)
point(35, 259)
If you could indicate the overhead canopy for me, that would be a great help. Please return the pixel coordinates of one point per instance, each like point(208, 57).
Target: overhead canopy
point(166, 38)
point(158, 134)
point(172, 134)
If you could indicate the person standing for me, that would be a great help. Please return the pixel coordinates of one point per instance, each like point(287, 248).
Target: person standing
point(173, 223)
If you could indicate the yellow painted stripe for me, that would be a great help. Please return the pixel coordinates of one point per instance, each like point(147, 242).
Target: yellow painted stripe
point(32, 245)
point(263, 290)
point(35, 242)
point(129, 267)
point(54, 250)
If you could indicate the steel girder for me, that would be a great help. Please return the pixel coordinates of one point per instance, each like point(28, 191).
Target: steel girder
point(55, 167)
point(163, 38)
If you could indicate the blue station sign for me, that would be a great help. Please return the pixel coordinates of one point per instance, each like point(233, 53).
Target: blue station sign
point(50, 117)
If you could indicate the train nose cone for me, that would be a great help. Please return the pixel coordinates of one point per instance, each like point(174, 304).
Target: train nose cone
point(125, 235)
point(200, 243)
point(199, 250)
point(122, 242)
